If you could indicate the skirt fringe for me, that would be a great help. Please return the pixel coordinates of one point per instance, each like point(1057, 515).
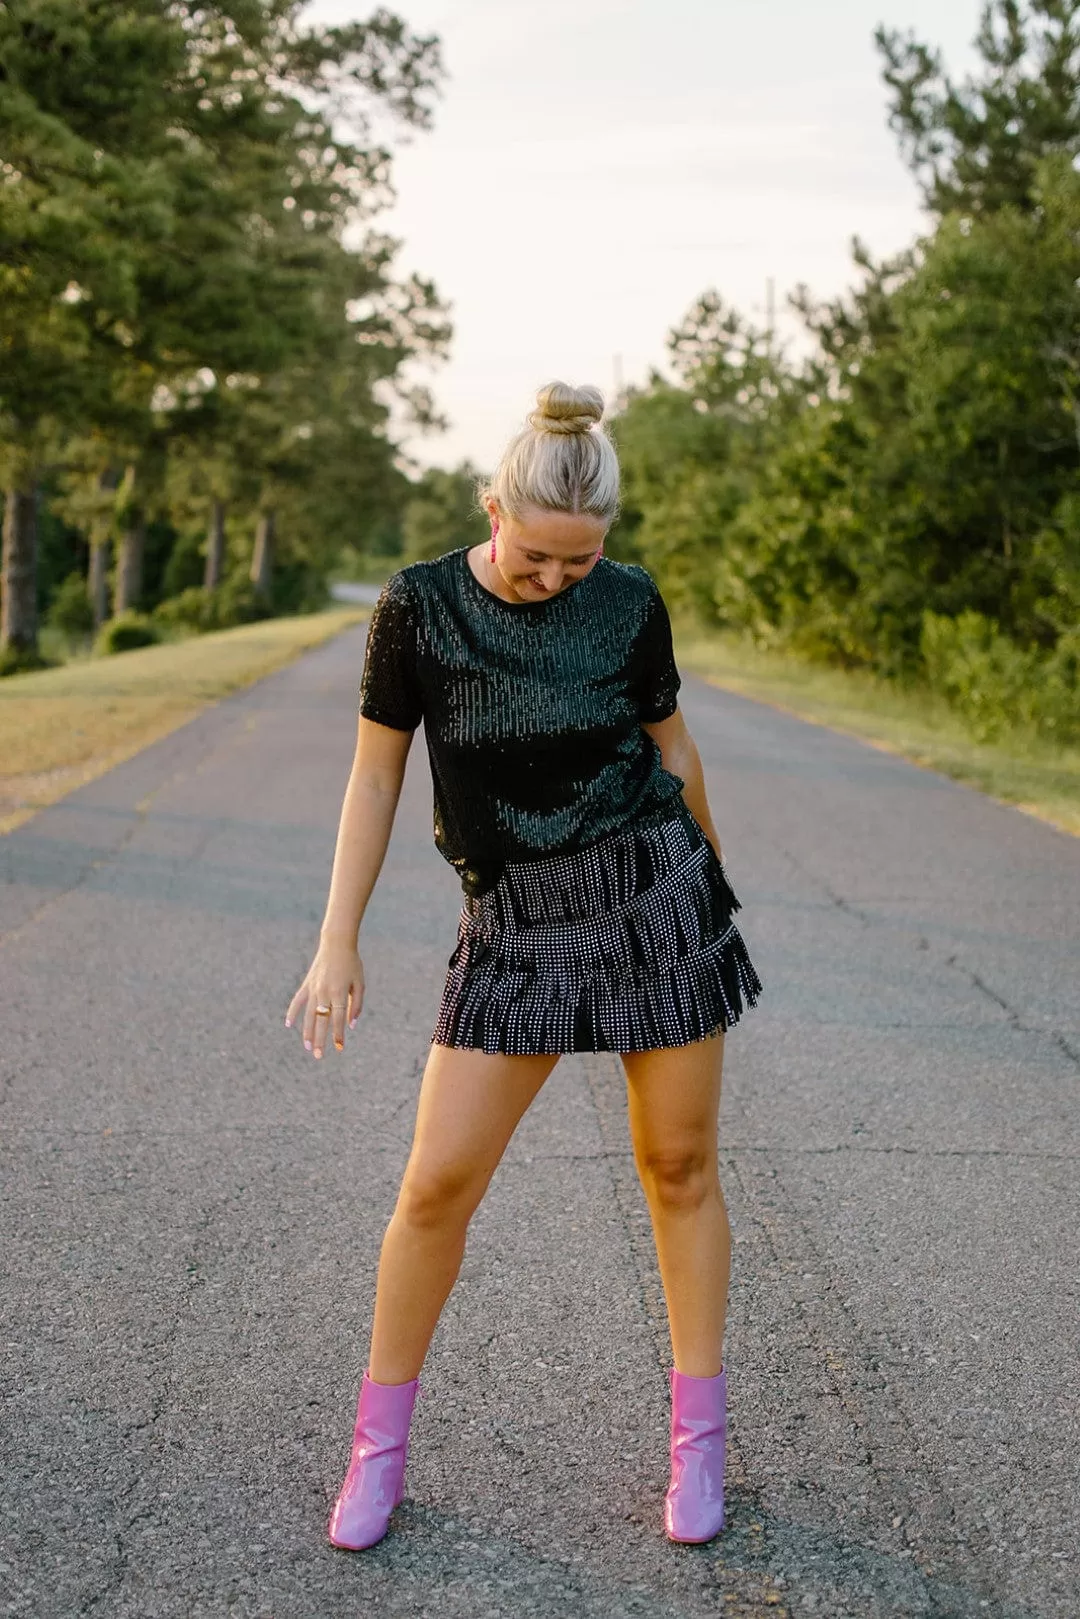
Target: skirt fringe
point(628, 945)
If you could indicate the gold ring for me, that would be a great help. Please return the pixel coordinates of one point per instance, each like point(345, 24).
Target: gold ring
point(323, 1011)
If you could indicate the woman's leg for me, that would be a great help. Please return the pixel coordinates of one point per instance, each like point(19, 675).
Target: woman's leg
point(674, 1105)
point(470, 1104)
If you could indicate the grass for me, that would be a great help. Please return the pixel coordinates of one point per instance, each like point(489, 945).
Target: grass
point(1039, 777)
point(62, 727)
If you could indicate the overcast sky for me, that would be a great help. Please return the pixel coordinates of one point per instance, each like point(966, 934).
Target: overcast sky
point(597, 164)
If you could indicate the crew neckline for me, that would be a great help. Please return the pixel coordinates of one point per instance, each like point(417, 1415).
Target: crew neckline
point(487, 595)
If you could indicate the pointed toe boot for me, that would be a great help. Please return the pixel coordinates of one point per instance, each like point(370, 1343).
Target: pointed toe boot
point(375, 1481)
point(694, 1505)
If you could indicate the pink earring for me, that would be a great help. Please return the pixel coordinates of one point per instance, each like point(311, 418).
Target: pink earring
point(599, 553)
point(494, 531)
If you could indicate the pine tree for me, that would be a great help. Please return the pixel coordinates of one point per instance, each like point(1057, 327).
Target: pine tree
point(975, 147)
point(171, 227)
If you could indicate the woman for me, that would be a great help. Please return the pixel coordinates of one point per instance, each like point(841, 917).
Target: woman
point(569, 797)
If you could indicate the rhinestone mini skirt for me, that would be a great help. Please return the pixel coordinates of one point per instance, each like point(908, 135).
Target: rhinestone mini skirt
point(627, 945)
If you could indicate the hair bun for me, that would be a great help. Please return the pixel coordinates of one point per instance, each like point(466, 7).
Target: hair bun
point(562, 409)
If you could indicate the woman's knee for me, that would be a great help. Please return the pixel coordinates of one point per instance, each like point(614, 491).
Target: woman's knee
point(678, 1179)
point(439, 1195)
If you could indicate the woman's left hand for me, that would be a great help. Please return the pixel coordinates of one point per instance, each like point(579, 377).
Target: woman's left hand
point(335, 980)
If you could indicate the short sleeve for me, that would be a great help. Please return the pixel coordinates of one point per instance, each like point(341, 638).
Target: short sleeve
point(390, 691)
point(657, 680)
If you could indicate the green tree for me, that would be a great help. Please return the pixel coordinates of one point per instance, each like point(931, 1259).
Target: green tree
point(948, 382)
point(70, 214)
point(174, 215)
point(442, 513)
point(975, 147)
point(908, 499)
point(690, 452)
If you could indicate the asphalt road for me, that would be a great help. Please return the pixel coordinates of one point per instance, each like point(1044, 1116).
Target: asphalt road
point(192, 1210)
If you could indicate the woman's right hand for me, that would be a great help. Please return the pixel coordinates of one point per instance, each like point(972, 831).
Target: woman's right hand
point(335, 979)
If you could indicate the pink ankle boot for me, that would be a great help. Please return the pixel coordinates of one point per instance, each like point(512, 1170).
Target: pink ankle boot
point(694, 1505)
point(375, 1481)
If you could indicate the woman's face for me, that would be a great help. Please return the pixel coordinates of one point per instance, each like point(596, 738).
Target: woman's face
point(542, 553)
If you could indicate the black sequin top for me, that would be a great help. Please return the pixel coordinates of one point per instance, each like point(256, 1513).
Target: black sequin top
point(532, 712)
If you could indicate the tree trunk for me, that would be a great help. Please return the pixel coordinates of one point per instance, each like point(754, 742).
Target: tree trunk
point(18, 571)
point(262, 558)
point(215, 546)
point(97, 583)
point(129, 564)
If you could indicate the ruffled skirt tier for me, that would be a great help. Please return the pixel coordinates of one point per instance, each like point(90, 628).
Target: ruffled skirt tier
point(628, 945)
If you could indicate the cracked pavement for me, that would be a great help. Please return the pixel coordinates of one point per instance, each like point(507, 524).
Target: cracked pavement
point(192, 1209)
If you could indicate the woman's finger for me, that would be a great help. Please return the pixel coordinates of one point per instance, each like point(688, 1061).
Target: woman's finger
point(321, 1030)
point(295, 1004)
point(311, 1020)
point(330, 1018)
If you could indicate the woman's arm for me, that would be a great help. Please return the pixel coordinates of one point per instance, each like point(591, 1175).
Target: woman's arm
point(336, 976)
point(679, 754)
point(367, 816)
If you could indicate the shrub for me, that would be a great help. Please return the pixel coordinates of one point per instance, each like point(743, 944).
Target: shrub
point(191, 609)
point(1058, 704)
point(71, 611)
point(185, 566)
point(997, 685)
point(126, 632)
point(22, 661)
point(297, 587)
point(233, 602)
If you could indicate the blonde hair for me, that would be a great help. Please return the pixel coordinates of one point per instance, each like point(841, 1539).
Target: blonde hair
point(562, 461)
